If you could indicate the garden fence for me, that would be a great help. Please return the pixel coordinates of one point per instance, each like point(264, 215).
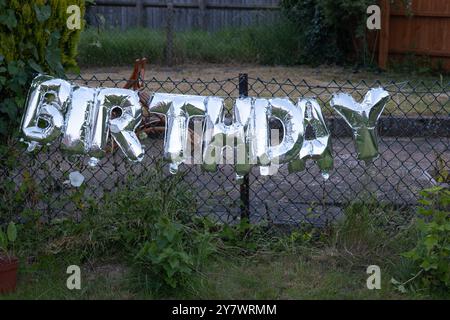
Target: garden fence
point(206, 15)
point(414, 137)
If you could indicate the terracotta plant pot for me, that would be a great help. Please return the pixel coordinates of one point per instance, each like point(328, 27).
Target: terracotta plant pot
point(8, 274)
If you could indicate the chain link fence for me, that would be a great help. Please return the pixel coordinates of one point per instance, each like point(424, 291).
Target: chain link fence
point(414, 143)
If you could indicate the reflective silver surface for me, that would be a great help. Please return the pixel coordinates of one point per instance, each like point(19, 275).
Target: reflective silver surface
point(218, 135)
point(318, 148)
point(362, 118)
point(177, 109)
point(76, 134)
point(85, 117)
point(45, 107)
point(121, 109)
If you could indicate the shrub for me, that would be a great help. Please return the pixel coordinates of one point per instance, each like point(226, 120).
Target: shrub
point(431, 255)
point(329, 31)
point(33, 38)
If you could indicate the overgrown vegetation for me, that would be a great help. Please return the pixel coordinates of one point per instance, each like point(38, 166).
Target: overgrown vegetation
point(431, 256)
point(271, 44)
point(329, 31)
point(33, 38)
point(147, 235)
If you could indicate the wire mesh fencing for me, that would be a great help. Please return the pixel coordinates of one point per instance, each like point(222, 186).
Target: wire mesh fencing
point(414, 137)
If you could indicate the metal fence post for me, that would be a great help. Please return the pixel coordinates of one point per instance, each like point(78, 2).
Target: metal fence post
point(245, 185)
point(169, 34)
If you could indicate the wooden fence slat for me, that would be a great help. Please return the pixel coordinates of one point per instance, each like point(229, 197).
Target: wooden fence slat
point(422, 30)
point(383, 52)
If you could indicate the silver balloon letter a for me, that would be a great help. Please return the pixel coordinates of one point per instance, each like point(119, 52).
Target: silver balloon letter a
point(319, 147)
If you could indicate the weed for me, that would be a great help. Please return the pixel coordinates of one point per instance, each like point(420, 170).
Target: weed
point(431, 255)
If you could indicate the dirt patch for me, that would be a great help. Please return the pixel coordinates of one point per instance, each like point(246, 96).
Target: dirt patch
point(320, 74)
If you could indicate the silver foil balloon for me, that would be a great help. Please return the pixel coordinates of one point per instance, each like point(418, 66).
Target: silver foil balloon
point(362, 118)
point(260, 132)
point(76, 137)
point(45, 108)
point(291, 119)
point(118, 111)
point(178, 109)
point(266, 152)
point(218, 135)
point(319, 148)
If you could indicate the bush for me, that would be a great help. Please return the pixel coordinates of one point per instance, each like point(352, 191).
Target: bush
point(431, 255)
point(33, 38)
point(329, 31)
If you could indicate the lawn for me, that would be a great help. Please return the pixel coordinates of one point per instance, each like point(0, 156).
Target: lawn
point(242, 261)
point(261, 276)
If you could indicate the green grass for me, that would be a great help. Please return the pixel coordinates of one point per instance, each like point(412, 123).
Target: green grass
point(141, 243)
point(262, 276)
point(273, 44)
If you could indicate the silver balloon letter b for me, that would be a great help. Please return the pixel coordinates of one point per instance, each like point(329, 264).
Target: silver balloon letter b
point(45, 108)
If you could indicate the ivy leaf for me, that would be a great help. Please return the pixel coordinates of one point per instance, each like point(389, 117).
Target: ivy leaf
point(8, 19)
point(35, 66)
point(42, 13)
point(53, 54)
point(9, 107)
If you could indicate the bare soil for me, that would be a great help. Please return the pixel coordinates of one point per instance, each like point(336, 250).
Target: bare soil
point(313, 75)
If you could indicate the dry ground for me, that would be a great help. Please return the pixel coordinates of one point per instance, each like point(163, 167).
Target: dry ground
point(316, 75)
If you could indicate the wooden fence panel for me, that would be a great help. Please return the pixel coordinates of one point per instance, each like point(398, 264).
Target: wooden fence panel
point(210, 15)
point(423, 30)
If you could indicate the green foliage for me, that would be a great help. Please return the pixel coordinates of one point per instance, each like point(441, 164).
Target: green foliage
point(418, 65)
point(165, 254)
point(7, 240)
point(271, 44)
point(148, 222)
point(432, 252)
point(442, 172)
point(33, 38)
point(329, 31)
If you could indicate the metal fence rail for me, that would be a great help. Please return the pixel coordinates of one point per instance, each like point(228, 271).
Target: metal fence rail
point(414, 145)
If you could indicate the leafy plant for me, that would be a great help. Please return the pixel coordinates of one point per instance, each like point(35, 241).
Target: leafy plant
point(329, 31)
point(431, 255)
point(442, 173)
point(165, 254)
point(7, 241)
point(34, 39)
